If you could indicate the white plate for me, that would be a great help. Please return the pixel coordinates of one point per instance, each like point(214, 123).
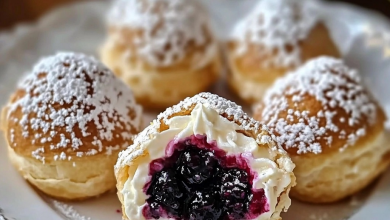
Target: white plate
point(361, 35)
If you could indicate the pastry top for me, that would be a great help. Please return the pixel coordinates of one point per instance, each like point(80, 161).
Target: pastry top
point(321, 107)
point(275, 28)
point(70, 105)
point(162, 32)
point(224, 107)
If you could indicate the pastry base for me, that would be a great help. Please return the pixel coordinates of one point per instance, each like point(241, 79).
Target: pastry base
point(334, 176)
point(90, 177)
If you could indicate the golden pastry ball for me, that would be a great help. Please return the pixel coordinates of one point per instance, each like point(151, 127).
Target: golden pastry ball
point(163, 49)
point(331, 126)
point(66, 123)
point(276, 37)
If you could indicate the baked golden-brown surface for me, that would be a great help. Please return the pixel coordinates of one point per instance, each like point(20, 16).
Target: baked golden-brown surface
point(151, 50)
point(330, 125)
point(89, 177)
point(159, 87)
point(330, 177)
point(66, 123)
point(276, 38)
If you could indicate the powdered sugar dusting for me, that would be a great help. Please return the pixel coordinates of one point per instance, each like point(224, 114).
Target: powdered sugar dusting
point(346, 110)
point(221, 105)
point(224, 107)
point(278, 26)
point(66, 98)
point(323, 216)
point(68, 211)
point(38, 154)
point(168, 27)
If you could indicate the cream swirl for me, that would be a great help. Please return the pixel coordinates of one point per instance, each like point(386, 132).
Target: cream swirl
point(206, 121)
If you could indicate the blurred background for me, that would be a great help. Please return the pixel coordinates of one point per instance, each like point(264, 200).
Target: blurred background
point(15, 11)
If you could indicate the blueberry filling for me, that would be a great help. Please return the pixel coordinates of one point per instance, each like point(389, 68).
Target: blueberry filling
point(198, 181)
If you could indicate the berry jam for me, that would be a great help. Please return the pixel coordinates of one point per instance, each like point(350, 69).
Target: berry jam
point(196, 181)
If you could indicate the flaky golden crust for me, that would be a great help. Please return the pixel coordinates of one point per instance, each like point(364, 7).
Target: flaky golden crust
point(126, 167)
point(330, 177)
point(122, 175)
point(249, 68)
point(78, 179)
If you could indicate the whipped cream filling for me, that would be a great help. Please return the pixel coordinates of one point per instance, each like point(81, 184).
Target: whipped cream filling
point(206, 121)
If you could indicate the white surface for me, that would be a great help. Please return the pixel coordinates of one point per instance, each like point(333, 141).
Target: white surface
point(80, 28)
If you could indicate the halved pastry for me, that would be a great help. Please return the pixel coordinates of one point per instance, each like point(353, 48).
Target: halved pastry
point(163, 49)
point(204, 159)
point(66, 123)
point(276, 37)
point(331, 126)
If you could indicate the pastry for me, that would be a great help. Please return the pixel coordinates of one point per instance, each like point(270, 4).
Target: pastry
point(163, 49)
point(276, 37)
point(66, 123)
point(204, 159)
point(331, 126)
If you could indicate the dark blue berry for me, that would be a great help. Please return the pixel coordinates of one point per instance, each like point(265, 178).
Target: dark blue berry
point(194, 186)
point(235, 192)
point(204, 204)
point(165, 191)
point(196, 166)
